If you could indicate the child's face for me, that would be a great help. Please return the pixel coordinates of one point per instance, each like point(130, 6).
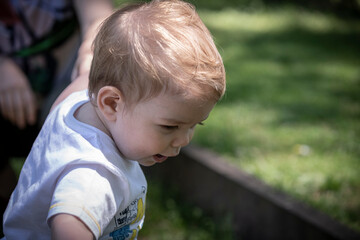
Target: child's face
point(156, 129)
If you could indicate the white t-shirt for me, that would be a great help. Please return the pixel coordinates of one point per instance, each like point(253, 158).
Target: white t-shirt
point(75, 168)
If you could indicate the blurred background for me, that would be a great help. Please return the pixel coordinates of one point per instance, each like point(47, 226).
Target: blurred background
point(291, 114)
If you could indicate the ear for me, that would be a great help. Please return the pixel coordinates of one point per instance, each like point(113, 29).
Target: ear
point(109, 101)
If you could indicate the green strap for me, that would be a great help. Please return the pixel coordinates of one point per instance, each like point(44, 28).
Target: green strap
point(54, 38)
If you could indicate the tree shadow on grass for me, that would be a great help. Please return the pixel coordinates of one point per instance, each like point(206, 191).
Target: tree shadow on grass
point(297, 71)
point(309, 80)
point(306, 77)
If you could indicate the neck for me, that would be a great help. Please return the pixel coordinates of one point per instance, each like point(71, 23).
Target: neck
point(91, 115)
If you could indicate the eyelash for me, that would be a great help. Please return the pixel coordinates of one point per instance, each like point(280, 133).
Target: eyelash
point(169, 127)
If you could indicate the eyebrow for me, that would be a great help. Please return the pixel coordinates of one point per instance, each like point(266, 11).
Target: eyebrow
point(174, 121)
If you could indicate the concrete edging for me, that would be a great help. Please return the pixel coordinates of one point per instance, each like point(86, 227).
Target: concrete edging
point(257, 210)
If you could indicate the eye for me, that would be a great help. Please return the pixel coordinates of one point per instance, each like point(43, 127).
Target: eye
point(169, 127)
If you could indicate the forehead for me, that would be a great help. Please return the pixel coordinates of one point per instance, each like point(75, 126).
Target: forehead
point(176, 108)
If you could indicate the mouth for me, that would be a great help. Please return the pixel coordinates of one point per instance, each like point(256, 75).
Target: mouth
point(159, 158)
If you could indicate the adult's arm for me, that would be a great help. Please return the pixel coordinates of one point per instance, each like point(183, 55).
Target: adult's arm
point(91, 13)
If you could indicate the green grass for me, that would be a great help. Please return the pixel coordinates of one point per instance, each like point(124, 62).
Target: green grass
point(291, 114)
point(168, 216)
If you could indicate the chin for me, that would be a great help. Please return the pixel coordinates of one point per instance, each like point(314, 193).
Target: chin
point(147, 162)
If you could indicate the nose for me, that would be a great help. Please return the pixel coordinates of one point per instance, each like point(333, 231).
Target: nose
point(183, 139)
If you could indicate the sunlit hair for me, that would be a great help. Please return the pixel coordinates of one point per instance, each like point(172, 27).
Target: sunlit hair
point(161, 46)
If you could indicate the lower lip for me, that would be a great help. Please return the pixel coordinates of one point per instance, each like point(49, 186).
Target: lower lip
point(159, 158)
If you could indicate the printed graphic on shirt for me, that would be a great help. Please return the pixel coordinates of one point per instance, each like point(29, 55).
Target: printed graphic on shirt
point(132, 214)
point(129, 221)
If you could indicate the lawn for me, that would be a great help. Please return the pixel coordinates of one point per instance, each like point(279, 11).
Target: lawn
point(169, 217)
point(291, 114)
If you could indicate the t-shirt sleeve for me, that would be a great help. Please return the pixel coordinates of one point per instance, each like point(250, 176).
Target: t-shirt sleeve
point(87, 193)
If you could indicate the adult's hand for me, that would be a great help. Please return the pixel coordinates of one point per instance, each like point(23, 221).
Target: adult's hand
point(17, 100)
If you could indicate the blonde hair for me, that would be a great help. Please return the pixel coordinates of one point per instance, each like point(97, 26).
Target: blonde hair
point(144, 49)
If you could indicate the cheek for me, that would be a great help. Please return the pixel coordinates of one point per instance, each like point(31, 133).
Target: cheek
point(144, 140)
point(155, 142)
point(154, 139)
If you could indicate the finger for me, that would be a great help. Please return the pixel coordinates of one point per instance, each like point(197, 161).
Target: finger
point(31, 109)
point(9, 111)
point(6, 110)
point(3, 105)
point(19, 110)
